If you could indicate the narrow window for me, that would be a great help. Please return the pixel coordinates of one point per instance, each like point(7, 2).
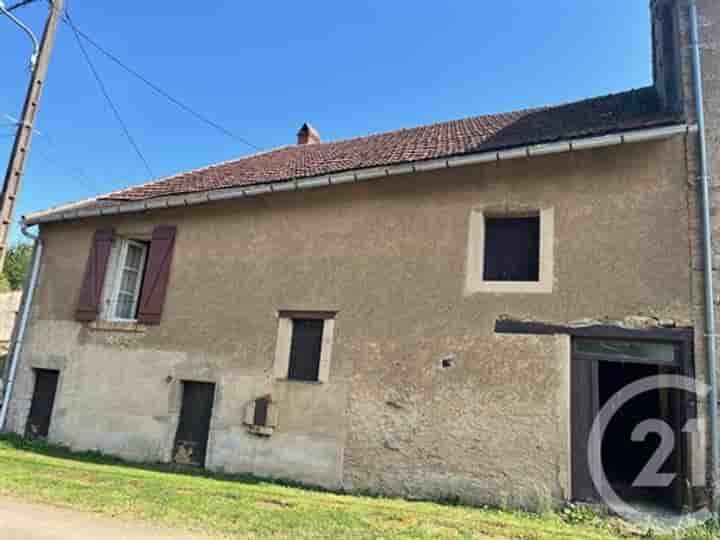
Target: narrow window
point(512, 249)
point(260, 416)
point(305, 349)
point(126, 280)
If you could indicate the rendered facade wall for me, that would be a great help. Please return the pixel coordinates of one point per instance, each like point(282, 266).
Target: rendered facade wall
point(390, 257)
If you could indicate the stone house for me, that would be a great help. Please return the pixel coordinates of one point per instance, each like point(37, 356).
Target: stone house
point(432, 312)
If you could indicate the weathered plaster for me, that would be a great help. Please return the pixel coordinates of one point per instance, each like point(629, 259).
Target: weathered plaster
point(488, 425)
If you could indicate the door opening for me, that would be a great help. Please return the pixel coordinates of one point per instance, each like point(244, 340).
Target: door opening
point(624, 458)
point(600, 369)
point(43, 400)
point(194, 426)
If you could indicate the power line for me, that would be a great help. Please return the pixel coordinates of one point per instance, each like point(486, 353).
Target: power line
point(78, 174)
point(20, 4)
point(107, 95)
point(45, 136)
point(159, 90)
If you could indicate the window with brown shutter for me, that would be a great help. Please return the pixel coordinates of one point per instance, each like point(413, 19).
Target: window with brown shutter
point(126, 279)
point(157, 275)
point(94, 277)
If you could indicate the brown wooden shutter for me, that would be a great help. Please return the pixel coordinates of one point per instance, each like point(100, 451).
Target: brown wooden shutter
point(94, 279)
point(157, 274)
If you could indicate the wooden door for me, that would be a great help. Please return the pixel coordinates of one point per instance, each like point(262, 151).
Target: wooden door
point(585, 404)
point(43, 400)
point(194, 426)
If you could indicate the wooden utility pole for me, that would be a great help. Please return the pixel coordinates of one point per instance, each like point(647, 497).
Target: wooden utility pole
point(25, 127)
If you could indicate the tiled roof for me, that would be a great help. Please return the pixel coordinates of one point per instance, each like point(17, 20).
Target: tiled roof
point(635, 109)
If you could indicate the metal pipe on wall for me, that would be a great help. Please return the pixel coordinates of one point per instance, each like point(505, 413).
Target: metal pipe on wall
point(707, 253)
point(19, 333)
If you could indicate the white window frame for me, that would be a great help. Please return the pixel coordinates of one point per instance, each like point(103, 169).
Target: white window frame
point(475, 282)
point(113, 280)
point(284, 342)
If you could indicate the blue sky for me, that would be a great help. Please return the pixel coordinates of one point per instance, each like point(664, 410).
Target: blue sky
point(263, 68)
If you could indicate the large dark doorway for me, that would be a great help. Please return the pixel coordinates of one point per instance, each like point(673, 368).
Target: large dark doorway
point(601, 368)
point(623, 459)
point(194, 427)
point(43, 400)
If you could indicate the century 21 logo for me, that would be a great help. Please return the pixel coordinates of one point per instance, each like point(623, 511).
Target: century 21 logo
point(650, 476)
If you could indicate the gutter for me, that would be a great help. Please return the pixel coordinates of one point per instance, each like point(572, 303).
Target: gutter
point(21, 324)
point(192, 199)
point(705, 180)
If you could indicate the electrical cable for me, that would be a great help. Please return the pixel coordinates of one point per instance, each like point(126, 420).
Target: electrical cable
point(107, 96)
point(160, 91)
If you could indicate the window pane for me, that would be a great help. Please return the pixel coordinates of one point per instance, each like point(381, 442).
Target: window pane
point(512, 249)
point(305, 349)
point(663, 352)
point(124, 306)
point(129, 280)
point(134, 257)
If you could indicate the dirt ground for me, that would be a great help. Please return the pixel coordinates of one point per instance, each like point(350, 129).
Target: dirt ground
point(26, 521)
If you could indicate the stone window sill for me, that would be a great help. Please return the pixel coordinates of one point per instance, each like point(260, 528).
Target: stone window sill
point(118, 326)
point(263, 431)
point(511, 287)
point(298, 381)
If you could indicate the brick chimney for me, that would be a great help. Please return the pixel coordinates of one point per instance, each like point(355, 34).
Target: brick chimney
point(308, 135)
point(667, 49)
point(672, 62)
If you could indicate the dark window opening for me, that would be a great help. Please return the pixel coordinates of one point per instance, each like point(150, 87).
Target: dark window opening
point(305, 349)
point(261, 411)
point(512, 249)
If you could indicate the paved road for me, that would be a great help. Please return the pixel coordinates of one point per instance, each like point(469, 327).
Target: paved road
point(25, 521)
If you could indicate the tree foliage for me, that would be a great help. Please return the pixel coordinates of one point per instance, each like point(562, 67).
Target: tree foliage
point(17, 266)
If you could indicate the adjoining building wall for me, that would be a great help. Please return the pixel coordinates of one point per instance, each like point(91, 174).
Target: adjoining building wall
point(423, 399)
point(9, 306)
point(709, 32)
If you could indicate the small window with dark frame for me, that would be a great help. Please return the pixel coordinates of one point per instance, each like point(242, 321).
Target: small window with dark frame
point(305, 349)
point(512, 249)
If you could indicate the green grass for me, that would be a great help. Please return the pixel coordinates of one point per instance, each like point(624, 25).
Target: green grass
point(243, 507)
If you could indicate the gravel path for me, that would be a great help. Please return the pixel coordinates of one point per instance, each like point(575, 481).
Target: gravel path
point(28, 521)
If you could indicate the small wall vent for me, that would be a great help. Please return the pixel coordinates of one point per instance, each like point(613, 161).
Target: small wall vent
point(261, 416)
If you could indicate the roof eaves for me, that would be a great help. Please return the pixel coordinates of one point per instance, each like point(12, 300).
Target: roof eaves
point(106, 207)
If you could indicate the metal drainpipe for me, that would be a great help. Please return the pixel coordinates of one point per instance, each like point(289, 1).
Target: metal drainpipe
point(708, 285)
point(16, 347)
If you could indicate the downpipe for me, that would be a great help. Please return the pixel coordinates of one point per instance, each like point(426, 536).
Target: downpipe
point(21, 325)
point(707, 254)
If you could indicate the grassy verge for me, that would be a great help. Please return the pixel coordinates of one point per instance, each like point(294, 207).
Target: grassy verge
point(239, 507)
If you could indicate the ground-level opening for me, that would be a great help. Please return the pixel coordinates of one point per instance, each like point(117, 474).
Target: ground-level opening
point(603, 368)
point(43, 401)
point(193, 430)
point(623, 457)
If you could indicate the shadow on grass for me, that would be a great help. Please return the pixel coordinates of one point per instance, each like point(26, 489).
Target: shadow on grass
point(41, 447)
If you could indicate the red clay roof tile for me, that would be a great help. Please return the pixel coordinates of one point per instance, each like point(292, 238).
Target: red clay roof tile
point(609, 114)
